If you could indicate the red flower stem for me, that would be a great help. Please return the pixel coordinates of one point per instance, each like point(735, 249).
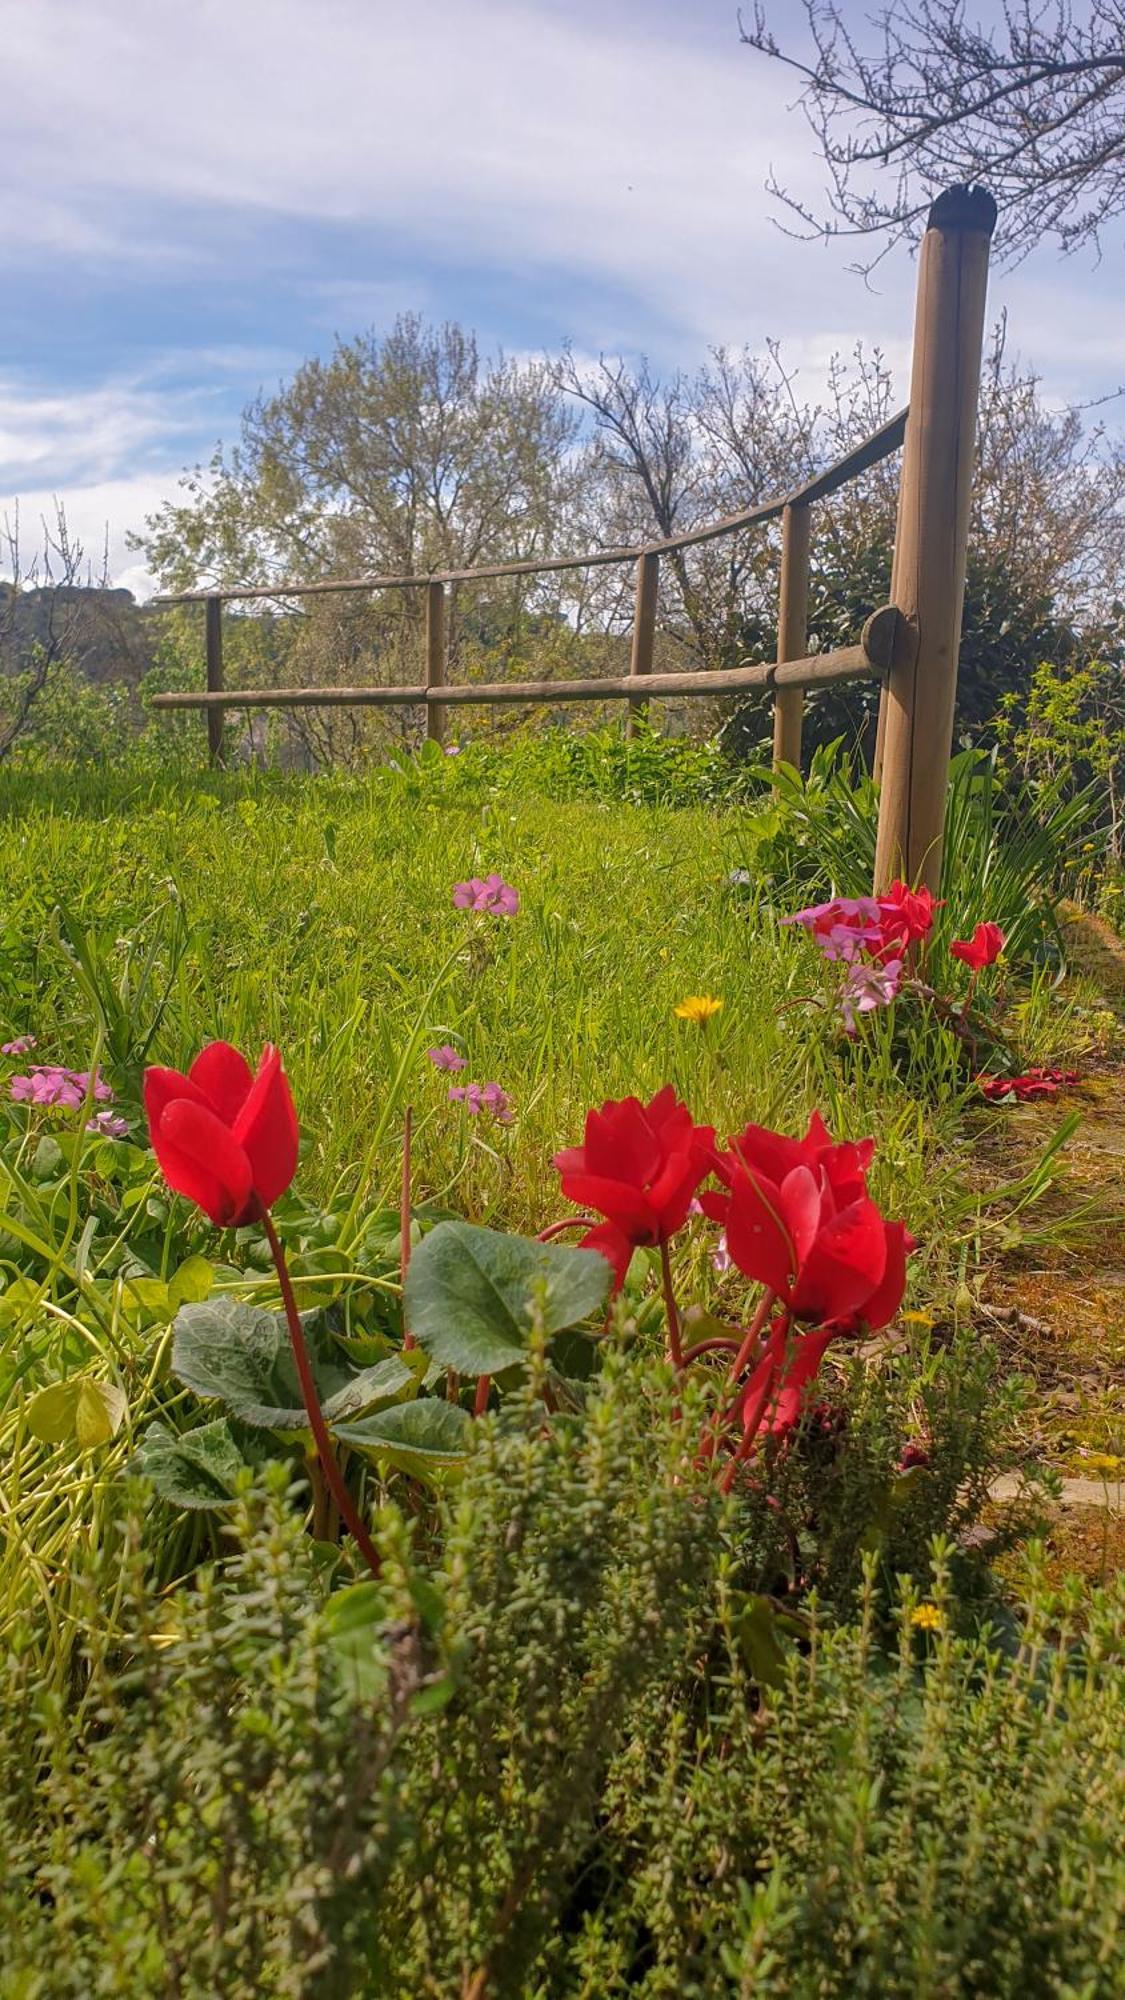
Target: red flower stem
point(554, 1229)
point(747, 1444)
point(408, 1340)
point(480, 1400)
point(317, 1425)
point(675, 1351)
point(753, 1334)
point(710, 1346)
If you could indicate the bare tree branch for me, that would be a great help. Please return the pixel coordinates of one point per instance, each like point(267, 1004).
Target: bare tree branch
point(1032, 104)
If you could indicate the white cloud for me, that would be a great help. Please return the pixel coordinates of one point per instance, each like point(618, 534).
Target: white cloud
point(636, 156)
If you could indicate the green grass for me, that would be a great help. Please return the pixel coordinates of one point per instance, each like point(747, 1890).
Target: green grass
point(318, 914)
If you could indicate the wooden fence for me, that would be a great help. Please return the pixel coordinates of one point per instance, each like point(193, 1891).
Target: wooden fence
point(911, 644)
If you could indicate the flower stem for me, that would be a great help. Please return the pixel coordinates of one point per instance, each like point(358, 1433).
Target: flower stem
point(317, 1425)
point(480, 1401)
point(715, 1343)
point(746, 1445)
point(753, 1334)
point(675, 1350)
point(554, 1229)
point(404, 1219)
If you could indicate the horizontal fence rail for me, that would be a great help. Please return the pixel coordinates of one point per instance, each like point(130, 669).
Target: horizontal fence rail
point(872, 656)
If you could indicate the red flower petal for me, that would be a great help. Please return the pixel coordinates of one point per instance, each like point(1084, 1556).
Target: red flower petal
point(224, 1076)
point(161, 1088)
point(266, 1128)
point(845, 1265)
point(200, 1159)
point(626, 1206)
point(614, 1246)
point(756, 1235)
point(880, 1309)
point(802, 1210)
point(787, 1402)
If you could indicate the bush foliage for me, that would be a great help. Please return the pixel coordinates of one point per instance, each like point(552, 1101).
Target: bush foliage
point(574, 1752)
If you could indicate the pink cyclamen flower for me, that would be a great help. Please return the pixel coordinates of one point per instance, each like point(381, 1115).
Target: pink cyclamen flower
point(487, 893)
point(453, 749)
point(447, 1057)
point(720, 1256)
point(19, 1047)
point(842, 927)
point(108, 1125)
point(867, 987)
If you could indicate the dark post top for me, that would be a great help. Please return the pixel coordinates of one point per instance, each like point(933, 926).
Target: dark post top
point(963, 208)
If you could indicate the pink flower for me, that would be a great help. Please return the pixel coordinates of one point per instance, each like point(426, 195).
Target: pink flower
point(497, 1102)
point(50, 1083)
point(108, 1125)
point(489, 892)
point(842, 927)
point(721, 1258)
point(478, 1097)
point(453, 749)
point(19, 1047)
point(867, 987)
point(447, 1057)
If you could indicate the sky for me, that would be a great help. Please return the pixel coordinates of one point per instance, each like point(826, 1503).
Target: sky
point(202, 193)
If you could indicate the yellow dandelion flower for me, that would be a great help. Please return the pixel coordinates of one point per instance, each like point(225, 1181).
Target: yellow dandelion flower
point(927, 1618)
point(1101, 1461)
point(698, 1007)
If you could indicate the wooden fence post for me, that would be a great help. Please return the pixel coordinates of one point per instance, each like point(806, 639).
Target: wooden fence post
point(792, 632)
point(435, 659)
point(928, 582)
point(214, 628)
point(644, 627)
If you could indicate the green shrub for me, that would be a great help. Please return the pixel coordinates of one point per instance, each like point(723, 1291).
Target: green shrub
point(577, 1754)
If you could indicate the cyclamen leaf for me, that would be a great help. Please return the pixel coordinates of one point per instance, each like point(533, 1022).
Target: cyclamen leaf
point(470, 1294)
point(197, 1469)
point(423, 1438)
point(241, 1355)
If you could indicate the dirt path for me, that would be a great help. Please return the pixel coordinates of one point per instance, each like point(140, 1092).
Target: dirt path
point(1057, 1308)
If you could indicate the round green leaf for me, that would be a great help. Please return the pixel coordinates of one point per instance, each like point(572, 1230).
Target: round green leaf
point(471, 1293)
point(424, 1438)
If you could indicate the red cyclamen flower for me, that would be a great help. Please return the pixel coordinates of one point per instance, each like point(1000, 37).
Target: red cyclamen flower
point(224, 1138)
point(983, 948)
point(640, 1165)
point(906, 916)
point(798, 1219)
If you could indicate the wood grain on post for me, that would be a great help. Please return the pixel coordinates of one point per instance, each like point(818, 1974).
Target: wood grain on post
point(644, 628)
point(435, 659)
point(792, 632)
point(214, 628)
point(931, 537)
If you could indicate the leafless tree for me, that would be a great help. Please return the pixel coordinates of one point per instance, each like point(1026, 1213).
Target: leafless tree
point(43, 602)
point(919, 95)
